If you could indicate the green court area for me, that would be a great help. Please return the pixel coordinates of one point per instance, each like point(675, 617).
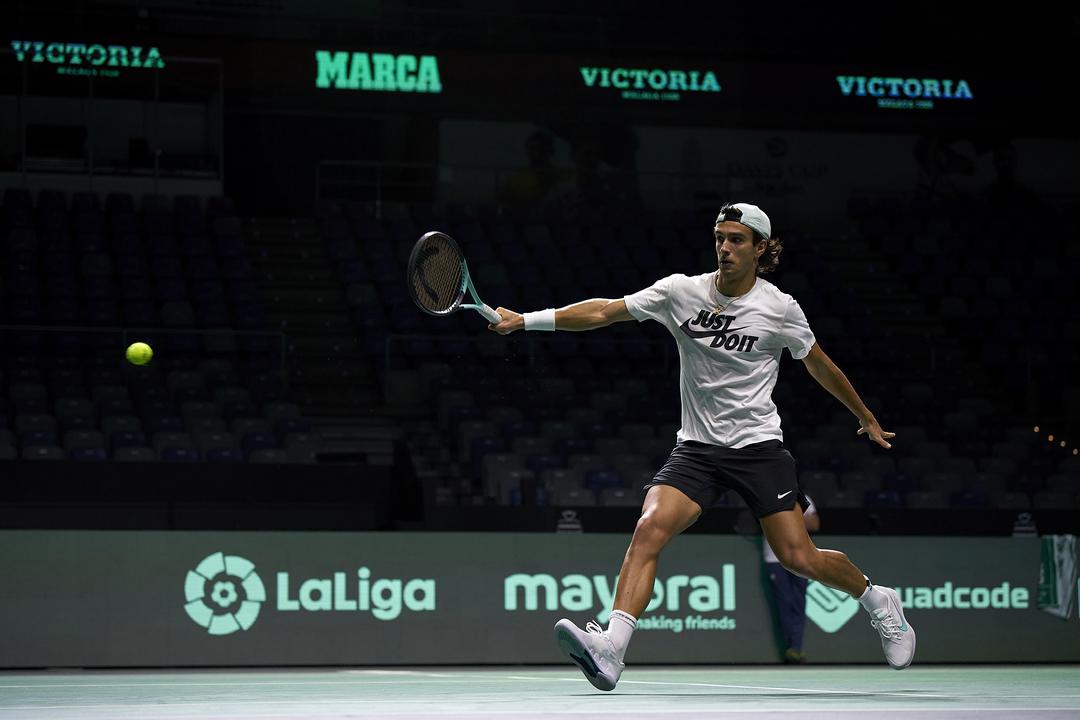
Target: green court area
point(807, 693)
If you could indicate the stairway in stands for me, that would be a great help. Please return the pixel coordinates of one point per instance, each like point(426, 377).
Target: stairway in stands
point(329, 376)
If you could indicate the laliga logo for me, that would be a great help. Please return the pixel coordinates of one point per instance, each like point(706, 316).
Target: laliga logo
point(224, 594)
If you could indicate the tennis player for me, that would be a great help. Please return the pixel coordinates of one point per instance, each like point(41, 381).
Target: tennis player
point(731, 327)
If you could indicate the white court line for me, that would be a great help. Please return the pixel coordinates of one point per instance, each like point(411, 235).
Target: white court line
point(401, 672)
point(790, 689)
point(472, 677)
point(214, 684)
point(397, 672)
point(755, 687)
point(161, 709)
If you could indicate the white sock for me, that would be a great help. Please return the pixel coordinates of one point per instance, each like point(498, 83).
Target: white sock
point(872, 598)
point(620, 627)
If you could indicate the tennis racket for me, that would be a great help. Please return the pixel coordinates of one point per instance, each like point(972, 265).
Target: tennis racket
point(438, 277)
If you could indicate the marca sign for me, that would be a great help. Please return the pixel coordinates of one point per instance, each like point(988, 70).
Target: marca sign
point(82, 59)
point(654, 84)
point(596, 593)
point(898, 92)
point(377, 71)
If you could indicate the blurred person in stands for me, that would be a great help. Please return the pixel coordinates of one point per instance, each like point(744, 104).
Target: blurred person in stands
point(789, 592)
point(731, 327)
point(541, 179)
point(1006, 188)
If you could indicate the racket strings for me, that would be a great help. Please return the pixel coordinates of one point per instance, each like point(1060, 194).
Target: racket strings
point(437, 275)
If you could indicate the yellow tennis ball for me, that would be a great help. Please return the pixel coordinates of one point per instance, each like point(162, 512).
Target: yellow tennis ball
point(139, 353)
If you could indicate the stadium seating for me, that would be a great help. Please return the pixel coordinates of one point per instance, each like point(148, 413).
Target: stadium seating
point(94, 275)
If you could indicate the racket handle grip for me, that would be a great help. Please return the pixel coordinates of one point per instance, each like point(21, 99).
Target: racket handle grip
point(492, 316)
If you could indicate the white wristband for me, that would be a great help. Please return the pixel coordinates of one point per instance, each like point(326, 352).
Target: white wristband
point(540, 320)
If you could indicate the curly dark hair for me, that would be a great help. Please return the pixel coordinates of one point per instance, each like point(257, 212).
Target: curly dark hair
point(769, 259)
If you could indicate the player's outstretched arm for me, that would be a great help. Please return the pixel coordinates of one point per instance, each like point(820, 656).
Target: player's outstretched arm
point(585, 315)
point(824, 370)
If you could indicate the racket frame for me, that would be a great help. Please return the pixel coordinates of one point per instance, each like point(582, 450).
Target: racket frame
point(466, 284)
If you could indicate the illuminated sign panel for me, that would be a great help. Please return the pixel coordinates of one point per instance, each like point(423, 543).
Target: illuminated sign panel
point(830, 609)
point(578, 592)
point(904, 93)
point(377, 71)
point(83, 59)
point(272, 598)
point(224, 594)
point(655, 84)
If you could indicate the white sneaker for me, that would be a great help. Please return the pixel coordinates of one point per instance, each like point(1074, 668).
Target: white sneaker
point(897, 636)
point(593, 652)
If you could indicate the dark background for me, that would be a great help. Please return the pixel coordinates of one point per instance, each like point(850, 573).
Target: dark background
point(266, 130)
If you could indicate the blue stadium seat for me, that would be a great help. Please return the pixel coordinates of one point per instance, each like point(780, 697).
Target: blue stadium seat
point(123, 439)
point(927, 499)
point(82, 439)
point(575, 498)
point(102, 313)
point(619, 497)
point(240, 409)
point(288, 426)
point(271, 456)
point(138, 313)
point(224, 454)
point(902, 482)
point(818, 482)
point(88, 454)
point(539, 463)
point(572, 446)
point(602, 479)
point(480, 446)
point(1052, 500)
point(29, 438)
point(31, 406)
point(311, 441)
point(213, 315)
point(253, 441)
point(179, 454)
point(43, 452)
point(1010, 500)
point(883, 499)
point(162, 441)
point(969, 499)
point(134, 454)
point(841, 499)
point(164, 423)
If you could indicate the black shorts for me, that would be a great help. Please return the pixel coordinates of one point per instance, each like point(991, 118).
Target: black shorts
point(762, 473)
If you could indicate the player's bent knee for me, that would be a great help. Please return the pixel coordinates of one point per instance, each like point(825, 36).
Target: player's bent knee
point(798, 561)
point(652, 532)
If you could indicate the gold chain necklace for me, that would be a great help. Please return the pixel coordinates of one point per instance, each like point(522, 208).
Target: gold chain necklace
point(720, 307)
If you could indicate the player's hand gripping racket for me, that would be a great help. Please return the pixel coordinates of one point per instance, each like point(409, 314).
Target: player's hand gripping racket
point(438, 278)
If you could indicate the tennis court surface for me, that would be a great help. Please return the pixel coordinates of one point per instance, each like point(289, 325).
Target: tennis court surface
point(808, 693)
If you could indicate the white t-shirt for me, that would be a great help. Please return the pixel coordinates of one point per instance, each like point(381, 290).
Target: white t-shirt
point(767, 553)
point(728, 360)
